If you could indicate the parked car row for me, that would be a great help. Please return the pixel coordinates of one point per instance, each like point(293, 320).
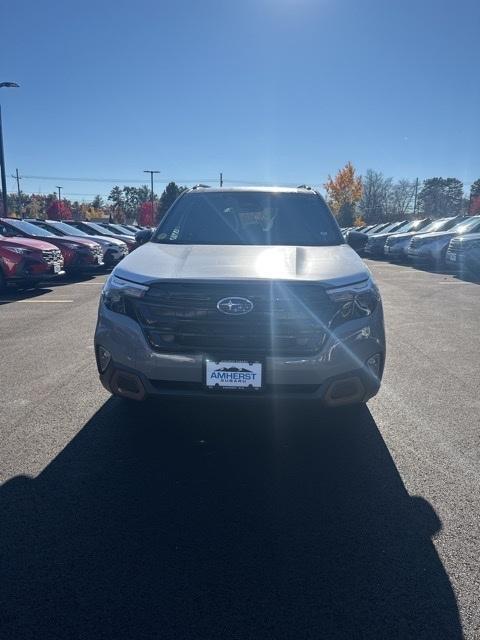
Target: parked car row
point(34, 251)
point(451, 243)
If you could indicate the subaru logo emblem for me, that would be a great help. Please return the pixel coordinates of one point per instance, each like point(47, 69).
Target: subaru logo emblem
point(235, 306)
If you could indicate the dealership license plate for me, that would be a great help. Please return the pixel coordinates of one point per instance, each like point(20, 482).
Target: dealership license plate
point(232, 374)
point(56, 268)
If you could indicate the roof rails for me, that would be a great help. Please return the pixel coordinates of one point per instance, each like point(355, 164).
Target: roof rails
point(201, 186)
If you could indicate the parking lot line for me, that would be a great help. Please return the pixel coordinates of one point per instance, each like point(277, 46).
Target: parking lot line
point(37, 301)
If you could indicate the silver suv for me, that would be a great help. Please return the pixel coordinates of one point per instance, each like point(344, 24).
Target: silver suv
point(246, 291)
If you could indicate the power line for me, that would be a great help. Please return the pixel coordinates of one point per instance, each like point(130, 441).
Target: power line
point(115, 180)
point(163, 180)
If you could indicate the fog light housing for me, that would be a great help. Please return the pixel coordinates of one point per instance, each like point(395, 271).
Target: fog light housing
point(103, 358)
point(374, 364)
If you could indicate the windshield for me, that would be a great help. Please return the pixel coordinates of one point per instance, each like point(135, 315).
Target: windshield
point(408, 226)
point(388, 228)
point(66, 229)
point(437, 225)
point(30, 229)
point(466, 226)
point(118, 229)
point(378, 227)
point(250, 218)
point(98, 229)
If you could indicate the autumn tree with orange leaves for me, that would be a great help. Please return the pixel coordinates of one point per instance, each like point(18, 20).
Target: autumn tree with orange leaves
point(343, 193)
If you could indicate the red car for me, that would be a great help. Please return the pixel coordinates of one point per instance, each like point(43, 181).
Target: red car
point(26, 262)
point(80, 255)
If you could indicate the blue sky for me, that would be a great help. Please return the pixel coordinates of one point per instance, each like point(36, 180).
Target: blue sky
point(275, 91)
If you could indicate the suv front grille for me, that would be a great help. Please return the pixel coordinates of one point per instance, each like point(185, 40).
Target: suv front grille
point(286, 319)
point(98, 252)
point(52, 256)
point(456, 245)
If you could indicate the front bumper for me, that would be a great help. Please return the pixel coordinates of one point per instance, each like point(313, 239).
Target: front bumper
point(85, 263)
point(342, 359)
point(375, 250)
point(28, 279)
point(421, 255)
point(463, 261)
point(113, 256)
point(455, 261)
point(397, 251)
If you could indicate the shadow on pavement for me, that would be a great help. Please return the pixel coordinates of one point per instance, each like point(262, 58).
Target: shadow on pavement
point(180, 520)
point(73, 279)
point(14, 295)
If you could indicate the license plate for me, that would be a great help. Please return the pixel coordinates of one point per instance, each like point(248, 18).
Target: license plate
point(452, 257)
point(232, 374)
point(56, 268)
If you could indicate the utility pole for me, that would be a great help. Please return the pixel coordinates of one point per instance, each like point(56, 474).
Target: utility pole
point(415, 198)
point(221, 179)
point(151, 185)
point(59, 192)
point(20, 207)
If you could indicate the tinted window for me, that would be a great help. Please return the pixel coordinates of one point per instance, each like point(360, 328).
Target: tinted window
point(409, 226)
point(467, 225)
point(438, 225)
point(117, 229)
point(66, 229)
point(250, 218)
point(98, 229)
point(30, 229)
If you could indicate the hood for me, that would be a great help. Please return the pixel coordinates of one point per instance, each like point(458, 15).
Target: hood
point(102, 240)
point(129, 240)
point(85, 242)
point(379, 236)
point(407, 234)
point(124, 238)
point(29, 243)
point(335, 265)
point(466, 237)
point(436, 235)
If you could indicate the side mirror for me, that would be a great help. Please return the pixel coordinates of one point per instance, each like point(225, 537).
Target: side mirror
point(143, 236)
point(356, 239)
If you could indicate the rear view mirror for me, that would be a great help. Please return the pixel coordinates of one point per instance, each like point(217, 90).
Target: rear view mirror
point(356, 239)
point(143, 236)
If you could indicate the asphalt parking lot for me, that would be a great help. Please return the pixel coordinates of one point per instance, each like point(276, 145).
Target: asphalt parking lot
point(241, 520)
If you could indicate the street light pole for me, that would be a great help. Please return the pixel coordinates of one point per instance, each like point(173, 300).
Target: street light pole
point(151, 184)
point(4, 177)
point(2, 155)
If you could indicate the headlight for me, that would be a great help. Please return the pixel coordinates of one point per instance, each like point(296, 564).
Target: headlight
point(116, 292)
point(72, 245)
point(21, 250)
point(354, 301)
point(474, 244)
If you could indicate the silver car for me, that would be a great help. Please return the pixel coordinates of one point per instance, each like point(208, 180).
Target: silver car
point(430, 249)
point(243, 292)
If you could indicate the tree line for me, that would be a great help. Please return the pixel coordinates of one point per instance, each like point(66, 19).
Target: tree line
point(123, 204)
point(374, 197)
